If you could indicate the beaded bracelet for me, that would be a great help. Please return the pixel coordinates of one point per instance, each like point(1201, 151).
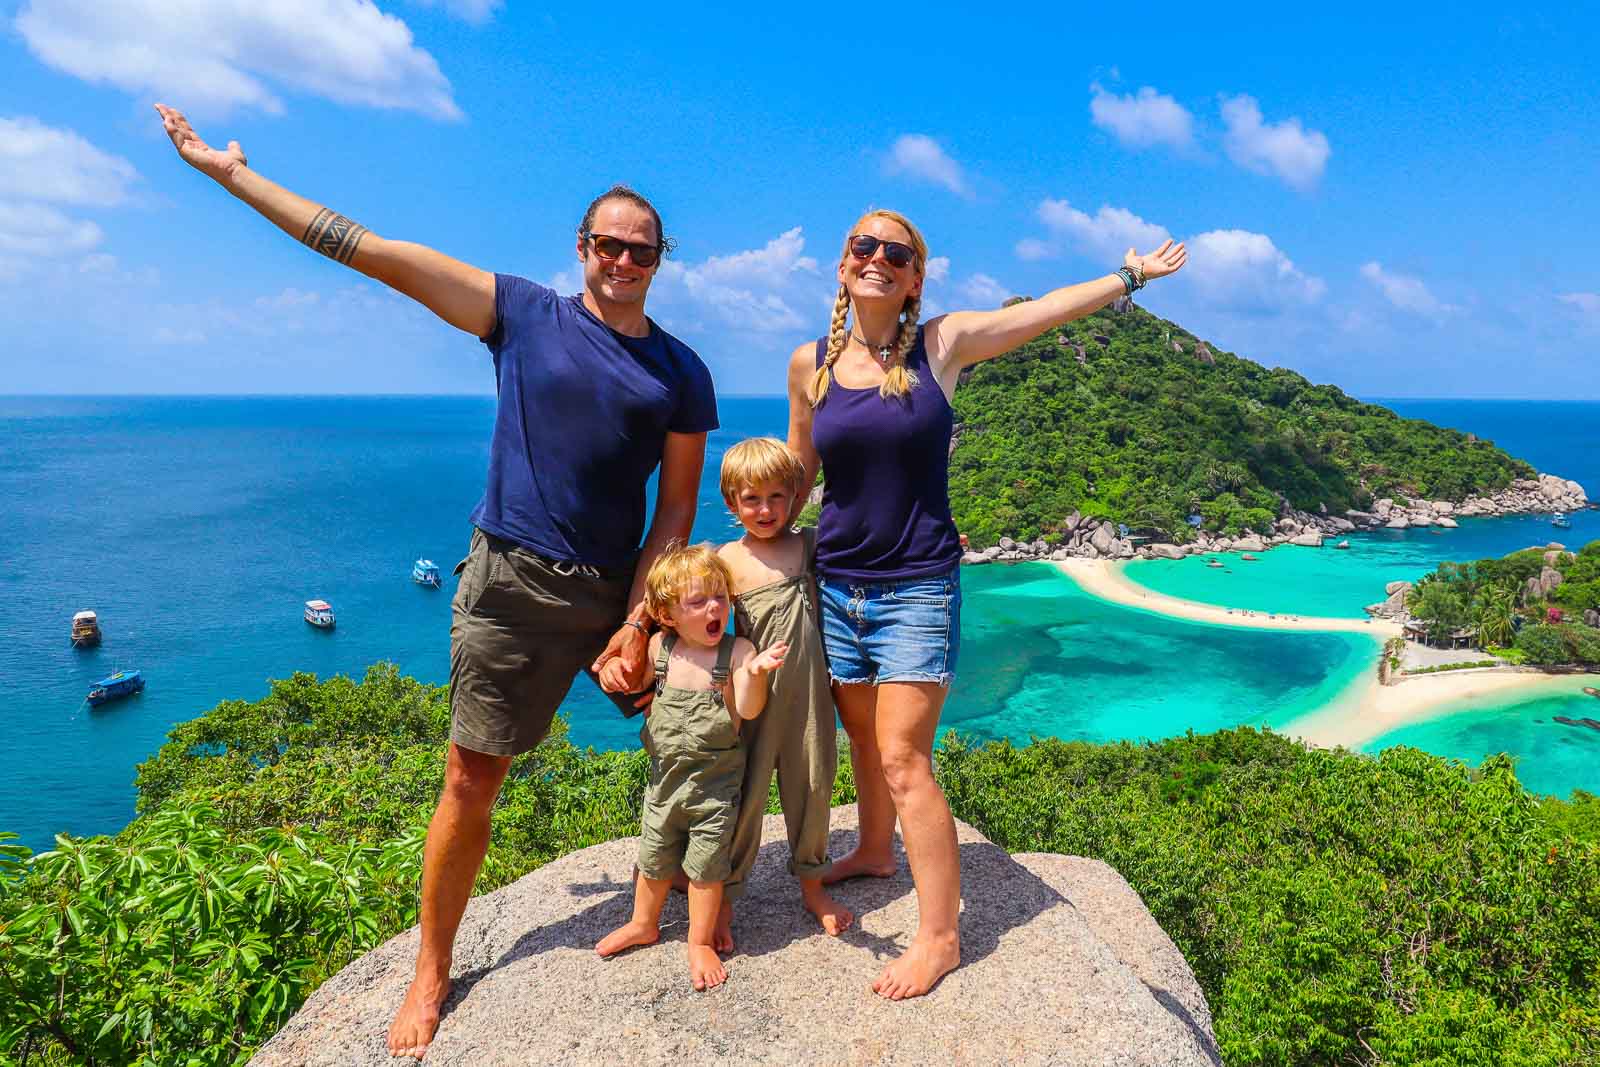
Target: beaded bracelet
point(1132, 278)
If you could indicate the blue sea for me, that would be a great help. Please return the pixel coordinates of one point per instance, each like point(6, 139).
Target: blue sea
point(197, 527)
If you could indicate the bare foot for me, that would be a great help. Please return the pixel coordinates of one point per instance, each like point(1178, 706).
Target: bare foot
point(856, 865)
point(414, 1024)
point(634, 933)
point(722, 936)
point(834, 916)
point(705, 969)
point(919, 970)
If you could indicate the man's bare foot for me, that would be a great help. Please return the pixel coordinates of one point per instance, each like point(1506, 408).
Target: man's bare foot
point(919, 970)
point(722, 936)
point(834, 916)
point(857, 865)
point(634, 933)
point(414, 1024)
point(705, 969)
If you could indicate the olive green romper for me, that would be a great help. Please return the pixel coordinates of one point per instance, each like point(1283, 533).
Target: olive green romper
point(794, 734)
point(696, 765)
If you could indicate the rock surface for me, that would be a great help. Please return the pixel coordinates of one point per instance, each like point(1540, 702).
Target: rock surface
point(1062, 964)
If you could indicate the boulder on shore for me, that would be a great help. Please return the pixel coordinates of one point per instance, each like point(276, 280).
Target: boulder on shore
point(1249, 543)
point(1061, 964)
point(1309, 539)
point(1164, 551)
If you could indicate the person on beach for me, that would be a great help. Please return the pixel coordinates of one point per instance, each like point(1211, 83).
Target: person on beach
point(775, 602)
point(707, 681)
point(870, 403)
point(592, 397)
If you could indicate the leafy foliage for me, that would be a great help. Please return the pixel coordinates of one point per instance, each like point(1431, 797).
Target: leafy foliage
point(1146, 434)
point(1336, 908)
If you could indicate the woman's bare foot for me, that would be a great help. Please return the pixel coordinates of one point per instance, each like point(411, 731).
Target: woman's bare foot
point(634, 933)
point(919, 970)
point(859, 865)
point(705, 969)
point(414, 1024)
point(834, 916)
point(722, 935)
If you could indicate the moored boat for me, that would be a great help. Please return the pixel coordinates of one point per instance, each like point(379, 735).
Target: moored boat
point(1560, 521)
point(426, 572)
point(1342, 544)
point(1248, 556)
point(1214, 563)
point(319, 613)
point(85, 629)
point(119, 685)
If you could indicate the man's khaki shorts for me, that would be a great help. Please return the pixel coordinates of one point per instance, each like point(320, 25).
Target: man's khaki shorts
point(522, 628)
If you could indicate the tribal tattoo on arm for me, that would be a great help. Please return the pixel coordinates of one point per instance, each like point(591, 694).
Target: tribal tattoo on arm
point(334, 236)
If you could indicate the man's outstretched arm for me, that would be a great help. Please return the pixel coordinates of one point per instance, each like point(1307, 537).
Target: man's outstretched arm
point(457, 292)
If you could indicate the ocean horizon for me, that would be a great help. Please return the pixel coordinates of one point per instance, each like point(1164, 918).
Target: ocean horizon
point(197, 526)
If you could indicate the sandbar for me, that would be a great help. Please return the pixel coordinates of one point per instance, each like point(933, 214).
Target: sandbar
point(1366, 709)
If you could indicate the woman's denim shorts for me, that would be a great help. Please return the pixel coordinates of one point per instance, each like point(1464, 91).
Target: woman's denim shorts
point(905, 631)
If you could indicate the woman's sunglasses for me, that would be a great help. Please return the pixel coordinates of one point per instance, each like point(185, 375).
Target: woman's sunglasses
point(609, 248)
point(864, 246)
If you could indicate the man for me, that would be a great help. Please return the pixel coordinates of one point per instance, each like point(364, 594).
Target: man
point(592, 397)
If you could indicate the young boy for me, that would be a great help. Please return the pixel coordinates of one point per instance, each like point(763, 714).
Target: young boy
point(707, 681)
point(776, 603)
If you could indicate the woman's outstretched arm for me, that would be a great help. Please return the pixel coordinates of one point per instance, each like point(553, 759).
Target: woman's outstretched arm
point(962, 338)
point(457, 292)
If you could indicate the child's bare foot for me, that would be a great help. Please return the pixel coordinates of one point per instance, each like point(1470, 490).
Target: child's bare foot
point(834, 916)
point(634, 933)
point(722, 935)
point(858, 865)
point(414, 1024)
point(919, 970)
point(705, 969)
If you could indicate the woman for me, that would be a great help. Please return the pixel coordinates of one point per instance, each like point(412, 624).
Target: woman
point(870, 402)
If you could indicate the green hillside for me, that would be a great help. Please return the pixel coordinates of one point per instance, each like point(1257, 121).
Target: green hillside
point(1127, 416)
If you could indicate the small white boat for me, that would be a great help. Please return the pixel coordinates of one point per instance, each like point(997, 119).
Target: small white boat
point(1214, 563)
point(85, 629)
point(1342, 544)
point(1560, 521)
point(426, 572)
point(319, 613)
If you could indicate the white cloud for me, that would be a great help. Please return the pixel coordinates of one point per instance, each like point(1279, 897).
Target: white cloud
point(920, 156)
point(36, 230)
point(983, 291)
point(938, 268)
point(39, 162)
point(1405, 292)
point(1586, 303)
point(1106, 234)
point(213, 56)
point(1236, 270)
point(1142, 119)
point(1284, 149)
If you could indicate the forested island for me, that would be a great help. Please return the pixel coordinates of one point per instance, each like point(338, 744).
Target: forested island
point(1336, 908)
point(1127, 417)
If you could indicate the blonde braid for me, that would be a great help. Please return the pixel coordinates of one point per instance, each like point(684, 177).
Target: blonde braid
point(836, 343)
point(901, 380)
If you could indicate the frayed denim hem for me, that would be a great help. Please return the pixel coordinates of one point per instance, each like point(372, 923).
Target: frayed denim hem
point(944, 681)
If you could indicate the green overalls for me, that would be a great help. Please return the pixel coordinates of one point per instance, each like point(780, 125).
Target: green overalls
point(794, 734)
point(696, 766)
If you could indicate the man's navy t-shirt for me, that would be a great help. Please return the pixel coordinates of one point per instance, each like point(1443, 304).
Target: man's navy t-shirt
point(583, 417)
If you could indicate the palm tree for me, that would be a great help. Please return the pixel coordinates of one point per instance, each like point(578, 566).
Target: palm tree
point(1496, 610)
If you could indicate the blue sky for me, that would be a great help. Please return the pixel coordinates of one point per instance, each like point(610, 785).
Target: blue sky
point(1399, 201)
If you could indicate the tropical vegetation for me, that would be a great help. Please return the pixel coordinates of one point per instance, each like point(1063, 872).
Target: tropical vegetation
point(1336, 908)
point(1126, 416)
point(1534, 601)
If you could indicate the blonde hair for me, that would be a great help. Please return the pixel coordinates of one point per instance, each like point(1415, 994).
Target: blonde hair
point(760, 461)
point(899, 380)
point(676, 570)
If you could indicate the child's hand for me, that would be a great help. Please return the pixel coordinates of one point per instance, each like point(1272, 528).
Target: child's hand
point(769, 660)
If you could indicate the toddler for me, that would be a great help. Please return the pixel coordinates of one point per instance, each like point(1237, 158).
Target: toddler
point(707, 682)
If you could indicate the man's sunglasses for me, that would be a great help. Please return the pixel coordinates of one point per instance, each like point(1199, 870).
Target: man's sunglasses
point(609, 248)
point(864, 246)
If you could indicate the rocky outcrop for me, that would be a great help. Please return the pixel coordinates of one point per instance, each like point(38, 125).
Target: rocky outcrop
point(1393, 606)
point(1079, 537)
point(1061, 964)
point(1592, 617)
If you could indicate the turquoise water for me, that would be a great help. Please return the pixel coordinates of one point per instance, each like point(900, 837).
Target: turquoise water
point(1338, 583)
point(198, 526)
point(1039, 657)
point(1550, 756)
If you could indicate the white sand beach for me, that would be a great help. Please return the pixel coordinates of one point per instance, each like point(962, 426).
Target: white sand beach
point(1366, 710)
point(1104, 579)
